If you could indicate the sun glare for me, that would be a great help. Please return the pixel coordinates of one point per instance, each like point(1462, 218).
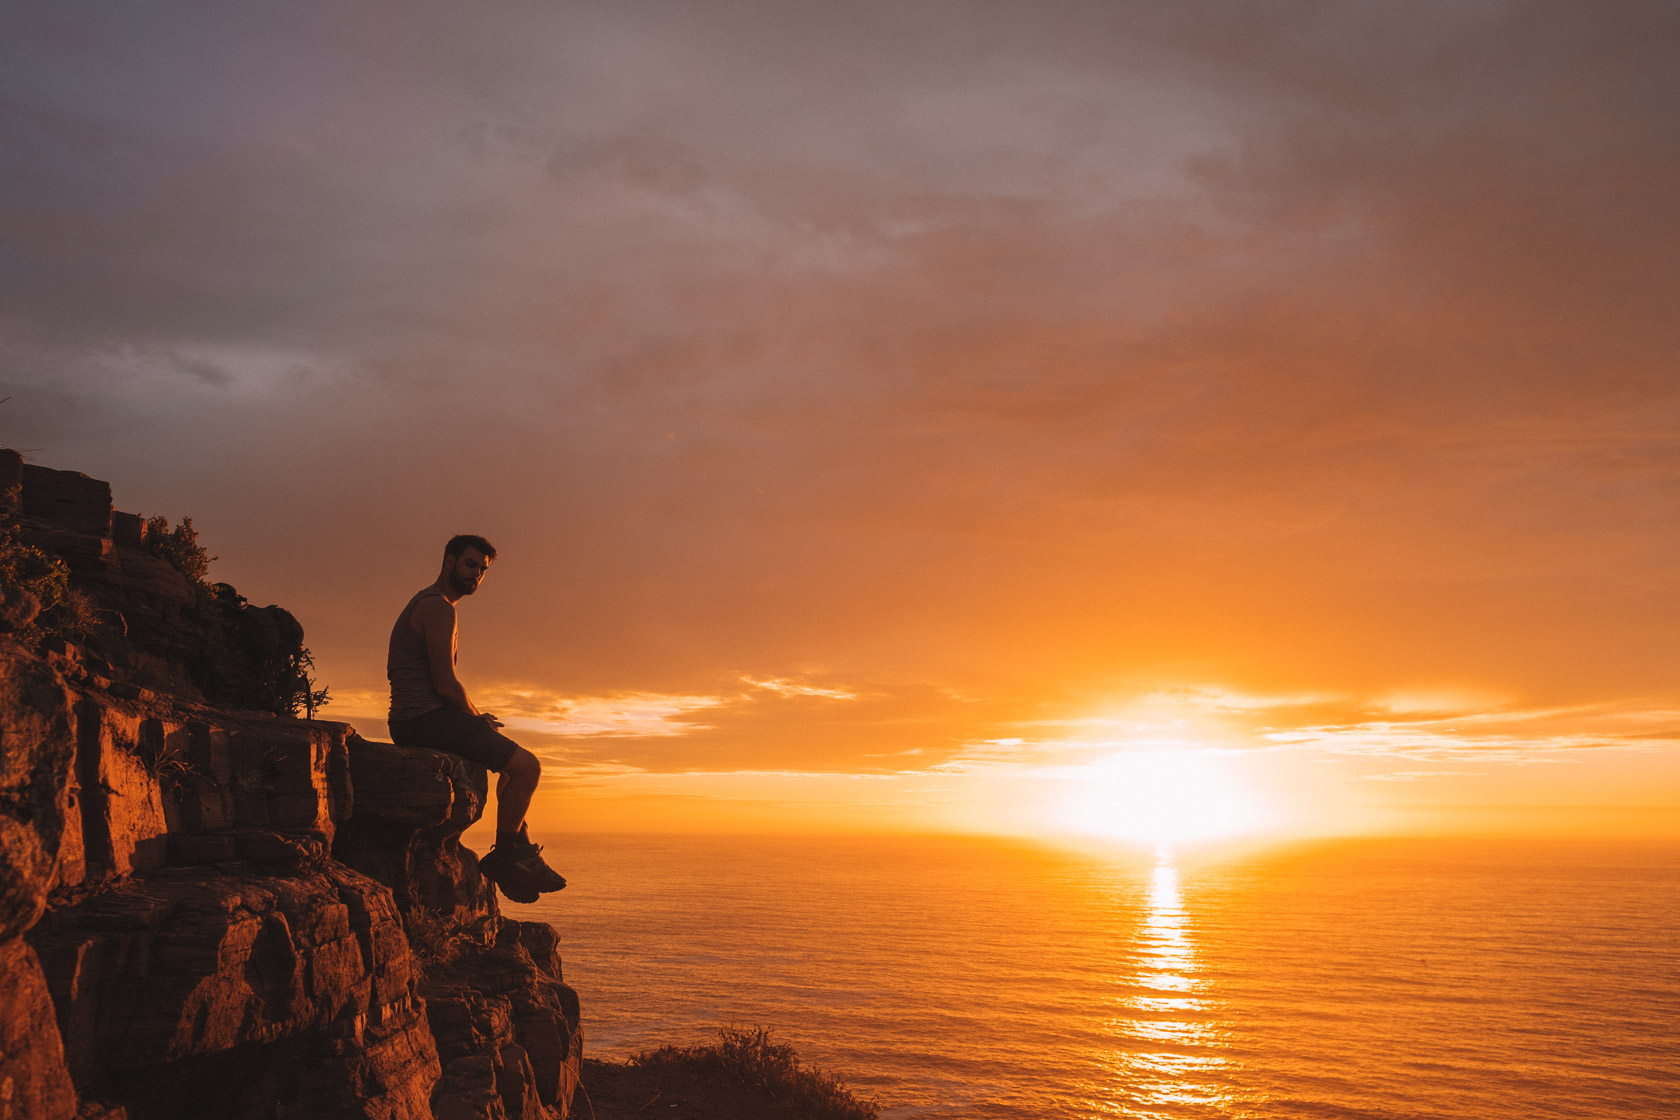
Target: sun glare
point(1162, 797)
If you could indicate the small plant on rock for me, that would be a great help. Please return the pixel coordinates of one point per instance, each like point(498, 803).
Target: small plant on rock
point(436, 938)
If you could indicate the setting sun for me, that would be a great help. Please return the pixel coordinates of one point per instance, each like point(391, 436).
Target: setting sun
point(1163, 797)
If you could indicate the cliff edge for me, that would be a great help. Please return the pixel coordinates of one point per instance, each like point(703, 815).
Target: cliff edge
point(212, 911)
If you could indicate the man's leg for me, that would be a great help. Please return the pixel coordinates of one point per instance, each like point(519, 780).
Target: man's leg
point(514, 787)
point(515, 864)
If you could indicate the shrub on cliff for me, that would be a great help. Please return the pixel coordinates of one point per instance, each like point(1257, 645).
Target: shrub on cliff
point(62, 610)
point(26, 568)
point(179, 547)
point(253, 657)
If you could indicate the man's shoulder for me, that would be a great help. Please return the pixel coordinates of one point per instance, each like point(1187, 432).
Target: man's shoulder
point(433, 605)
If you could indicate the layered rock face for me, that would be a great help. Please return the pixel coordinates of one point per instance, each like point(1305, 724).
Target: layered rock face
point(216, 913)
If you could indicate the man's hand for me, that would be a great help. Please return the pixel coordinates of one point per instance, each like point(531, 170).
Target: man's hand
point(490, 718)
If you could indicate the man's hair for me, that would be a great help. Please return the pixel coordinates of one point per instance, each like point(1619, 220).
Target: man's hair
point(459, 544)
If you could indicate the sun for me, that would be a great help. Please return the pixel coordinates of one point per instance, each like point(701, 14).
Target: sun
point(1162, 797)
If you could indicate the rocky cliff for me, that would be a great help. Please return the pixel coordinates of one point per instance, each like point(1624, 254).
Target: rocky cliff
point(214, 912)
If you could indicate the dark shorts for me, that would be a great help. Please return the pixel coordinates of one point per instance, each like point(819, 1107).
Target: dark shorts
point(458, 732)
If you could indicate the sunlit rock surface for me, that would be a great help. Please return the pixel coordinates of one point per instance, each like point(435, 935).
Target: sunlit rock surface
point(211, 912)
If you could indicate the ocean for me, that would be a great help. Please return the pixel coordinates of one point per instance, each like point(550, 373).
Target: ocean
point(963, 977)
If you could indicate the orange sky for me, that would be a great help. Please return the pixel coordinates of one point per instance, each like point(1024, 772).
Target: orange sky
point(906, 416)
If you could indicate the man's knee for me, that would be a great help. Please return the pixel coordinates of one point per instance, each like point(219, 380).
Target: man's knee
point(523, 766)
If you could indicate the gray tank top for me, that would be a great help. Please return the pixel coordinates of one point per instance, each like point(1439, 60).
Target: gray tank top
point(408, 669)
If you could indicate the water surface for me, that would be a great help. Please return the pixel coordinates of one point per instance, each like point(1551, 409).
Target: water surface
point(971, 978)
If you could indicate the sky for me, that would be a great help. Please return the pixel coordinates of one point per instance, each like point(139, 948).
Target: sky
point(1053, 417)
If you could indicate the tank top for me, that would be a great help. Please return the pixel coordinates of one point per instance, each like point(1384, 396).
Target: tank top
point(408, 668)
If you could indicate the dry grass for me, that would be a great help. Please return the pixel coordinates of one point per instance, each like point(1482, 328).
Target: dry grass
point(438, 940)
point(433, 937)
point(76, 615)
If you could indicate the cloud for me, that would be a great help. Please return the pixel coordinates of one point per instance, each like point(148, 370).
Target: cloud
point(1501, 735)
point(784, 687)
point(1415, 775)
point(639, 715)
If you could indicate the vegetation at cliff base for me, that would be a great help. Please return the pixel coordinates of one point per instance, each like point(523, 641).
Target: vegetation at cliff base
point(750, 1054)
point(745, 1075)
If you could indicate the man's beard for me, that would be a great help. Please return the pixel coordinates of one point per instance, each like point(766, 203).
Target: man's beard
point(462, 586)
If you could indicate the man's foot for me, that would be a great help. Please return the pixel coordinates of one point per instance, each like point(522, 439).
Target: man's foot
point(517, 867)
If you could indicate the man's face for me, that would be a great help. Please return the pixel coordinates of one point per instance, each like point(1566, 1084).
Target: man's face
point(467, 572)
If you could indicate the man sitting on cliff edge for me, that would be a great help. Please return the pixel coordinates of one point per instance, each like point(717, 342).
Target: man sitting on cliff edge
point(430, 708)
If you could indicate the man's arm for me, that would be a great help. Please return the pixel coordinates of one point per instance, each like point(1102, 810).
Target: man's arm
point(434, 618)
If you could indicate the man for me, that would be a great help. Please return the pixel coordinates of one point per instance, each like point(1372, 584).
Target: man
point(430, 708)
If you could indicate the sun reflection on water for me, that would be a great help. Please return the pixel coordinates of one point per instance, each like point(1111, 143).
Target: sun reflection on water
point(1169, 1056)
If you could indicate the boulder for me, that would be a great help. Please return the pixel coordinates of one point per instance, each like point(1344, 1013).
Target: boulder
point(209, 912)
point(123, 828)
point(290, 773)
point(490, 1075)
point(411, 806)
point(128, 530)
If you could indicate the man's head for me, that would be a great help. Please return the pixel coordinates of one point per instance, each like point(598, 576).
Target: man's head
point(465, 560)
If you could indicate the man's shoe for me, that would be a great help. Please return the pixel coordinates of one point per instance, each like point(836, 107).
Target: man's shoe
point(517, 867)
point(497, 867)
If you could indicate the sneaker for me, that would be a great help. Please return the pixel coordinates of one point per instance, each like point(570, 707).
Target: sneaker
point(497, 867)
point(519, 870)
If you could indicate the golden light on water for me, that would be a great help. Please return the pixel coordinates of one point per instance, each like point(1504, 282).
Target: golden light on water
point(1168, 1041)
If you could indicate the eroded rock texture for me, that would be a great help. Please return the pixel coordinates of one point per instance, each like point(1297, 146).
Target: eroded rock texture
point(174, 987)
point(215, 913)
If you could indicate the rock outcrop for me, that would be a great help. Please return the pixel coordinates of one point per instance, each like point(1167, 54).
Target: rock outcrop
point(210, 912)
point(504, 1022)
